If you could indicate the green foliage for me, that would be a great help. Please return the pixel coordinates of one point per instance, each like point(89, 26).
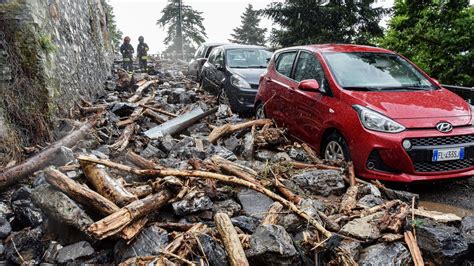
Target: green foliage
point(249, 32)
point(318, 21)
point(437, 35)
point(115, 33)
point(417, 223)
point(193, 29)
point(46, 44)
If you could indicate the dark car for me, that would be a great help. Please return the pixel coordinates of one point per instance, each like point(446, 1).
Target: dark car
point(232, 72)
point(371, 106)
point(200, 57)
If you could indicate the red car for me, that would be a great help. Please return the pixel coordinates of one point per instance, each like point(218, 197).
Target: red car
point(370, 106)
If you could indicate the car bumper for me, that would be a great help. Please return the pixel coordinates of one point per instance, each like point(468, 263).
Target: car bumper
point(394, 163)
point(242, 100)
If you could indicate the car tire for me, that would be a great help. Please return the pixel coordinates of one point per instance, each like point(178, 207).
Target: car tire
point(260, 111)
point(335, 147)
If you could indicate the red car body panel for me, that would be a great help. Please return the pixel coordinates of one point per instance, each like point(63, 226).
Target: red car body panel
point(310, 115)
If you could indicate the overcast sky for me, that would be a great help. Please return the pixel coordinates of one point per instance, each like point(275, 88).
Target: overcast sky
point(138, 17)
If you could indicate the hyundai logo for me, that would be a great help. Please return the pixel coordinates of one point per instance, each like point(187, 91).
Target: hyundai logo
point(444, 127)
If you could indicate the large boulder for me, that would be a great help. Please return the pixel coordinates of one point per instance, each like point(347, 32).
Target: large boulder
point(271, 245)
point(149, 242)
point(441, 243)
point(394, 253)
point(254, 203)
point(320, 182)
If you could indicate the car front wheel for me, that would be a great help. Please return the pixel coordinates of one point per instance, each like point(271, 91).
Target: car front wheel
point(335, 148)
point(260, 111)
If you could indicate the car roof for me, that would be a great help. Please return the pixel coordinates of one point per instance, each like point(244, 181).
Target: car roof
point(213, 44)
point(242, 46)
point(331, 48)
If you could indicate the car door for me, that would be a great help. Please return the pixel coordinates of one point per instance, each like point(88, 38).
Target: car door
point(280, 84)
point(208, 70)
point(309, 106)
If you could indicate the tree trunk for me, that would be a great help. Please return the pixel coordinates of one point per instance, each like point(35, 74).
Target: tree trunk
point(231, 240)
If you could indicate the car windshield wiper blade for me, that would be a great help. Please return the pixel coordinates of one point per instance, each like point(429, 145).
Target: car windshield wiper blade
point(357, 88)
point(414, 87)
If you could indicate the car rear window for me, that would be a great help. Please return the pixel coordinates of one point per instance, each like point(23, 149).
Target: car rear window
point(285, 63)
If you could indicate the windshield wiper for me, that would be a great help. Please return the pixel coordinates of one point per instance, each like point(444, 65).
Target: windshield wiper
point(414, 88)
point(360, 88)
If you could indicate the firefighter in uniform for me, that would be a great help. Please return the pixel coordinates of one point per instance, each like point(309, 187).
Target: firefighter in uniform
point(142, 50)
point(126, 49)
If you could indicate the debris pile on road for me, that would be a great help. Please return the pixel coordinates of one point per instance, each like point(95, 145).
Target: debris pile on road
point(167, 176)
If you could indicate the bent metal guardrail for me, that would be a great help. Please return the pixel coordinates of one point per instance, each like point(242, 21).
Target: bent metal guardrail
point(466, 93)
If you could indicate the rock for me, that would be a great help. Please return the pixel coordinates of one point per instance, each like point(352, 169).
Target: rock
point(271, 245)
point(152, 151)
point(281, 157)
point(199, 128)
point(363, 228)
point(215, 253)
point(27, 243)
point(254, 203)
point(298, 154)
point(63, 156)
point(467, 227)
point(320, 182)
point(369, 201)
point(192, 205)
point(229, 207)
point(293, 223)
point(223, 111)
point(80, 250)
point(2, 250)
point(233, 144)
point(5, 210)
point(443, 244)
point(51, 252)
point(5, 228)
point(264, 155)
point(248, 149)
point(167, 143)
point(394, 253)
point(149, 242)
point(26, 213)
point(123, 109)
point(352, 247)
point(246, 223)
point(222, 152)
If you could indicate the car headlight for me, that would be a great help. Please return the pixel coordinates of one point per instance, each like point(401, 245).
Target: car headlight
point(239, 82)
point(377, 122)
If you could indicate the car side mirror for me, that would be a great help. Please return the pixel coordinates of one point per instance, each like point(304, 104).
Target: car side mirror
point(310, 85)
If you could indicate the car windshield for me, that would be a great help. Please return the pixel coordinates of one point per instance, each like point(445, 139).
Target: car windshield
point(375, 71)
point(248, 58)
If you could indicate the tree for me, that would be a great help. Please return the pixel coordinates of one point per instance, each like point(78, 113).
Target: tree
point(115, 33)
point(249, 32)
point(193, 30)
point(324, 21)
point(437, 35)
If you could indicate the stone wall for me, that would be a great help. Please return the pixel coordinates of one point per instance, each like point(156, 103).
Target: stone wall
point(52, 53)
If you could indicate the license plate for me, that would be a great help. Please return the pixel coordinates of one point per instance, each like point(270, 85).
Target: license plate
point(448, 154)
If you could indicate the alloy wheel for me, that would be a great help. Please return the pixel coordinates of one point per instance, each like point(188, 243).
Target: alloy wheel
point(333, 151)
point(223, 98)
point(260, 113)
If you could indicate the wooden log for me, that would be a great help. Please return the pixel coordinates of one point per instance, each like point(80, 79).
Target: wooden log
point(122, 142)
point(137, 112)
point(273, 213)
point(230, 239)
point(140, 191)
point(221, 131)
point(154, 115)
point(437, 216)
point(159, 110)
point(80, 193)
point(289, 195)
point(115, 222)
point(43, 159)
point(414, 249)
point(299, 165)
point(141, 162)
point(106, 185)
point(311, 154)
point(175, 226)
point(330, 224)
point(220, 177)
point(351, 172)
point(131, 230)
point(140, 89)
point(349, 200)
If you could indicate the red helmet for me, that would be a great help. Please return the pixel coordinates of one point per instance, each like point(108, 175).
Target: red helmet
point(126, 39)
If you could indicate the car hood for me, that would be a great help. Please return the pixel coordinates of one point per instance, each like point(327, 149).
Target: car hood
point(418, 108)
point(251, 75)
